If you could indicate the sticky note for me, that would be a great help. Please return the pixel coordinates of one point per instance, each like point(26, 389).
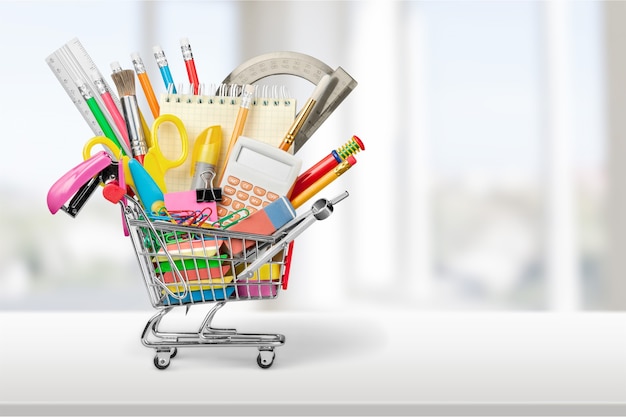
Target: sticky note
point(186, 200)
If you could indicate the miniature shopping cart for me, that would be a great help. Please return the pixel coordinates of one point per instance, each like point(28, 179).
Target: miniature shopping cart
point(184, 265)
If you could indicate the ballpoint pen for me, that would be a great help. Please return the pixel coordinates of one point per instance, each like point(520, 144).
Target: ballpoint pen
point(242, 115)
point(185, 48)
point(304, 113)
point(334, 158)
point(164, 67)
point(317, 186)
point(146, 85)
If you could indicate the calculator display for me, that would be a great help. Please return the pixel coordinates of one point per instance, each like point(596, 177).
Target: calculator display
point(258, 161)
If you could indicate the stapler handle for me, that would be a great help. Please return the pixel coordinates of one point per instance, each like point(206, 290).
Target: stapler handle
point(73, 180)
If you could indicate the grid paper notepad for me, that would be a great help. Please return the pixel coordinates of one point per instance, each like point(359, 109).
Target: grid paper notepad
point(268, 121)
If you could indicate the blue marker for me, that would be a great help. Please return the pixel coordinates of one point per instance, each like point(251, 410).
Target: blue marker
point(164, 67)
point(149, 192)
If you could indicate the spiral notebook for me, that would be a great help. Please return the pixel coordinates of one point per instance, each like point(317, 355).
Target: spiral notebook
point(269, 118)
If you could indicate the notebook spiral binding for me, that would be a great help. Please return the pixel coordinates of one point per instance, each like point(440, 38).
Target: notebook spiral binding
point(264, 95)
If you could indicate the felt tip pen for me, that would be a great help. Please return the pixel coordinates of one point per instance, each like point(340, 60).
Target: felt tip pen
point(185, 48)
point(317, 186)
point(164, 67)
point(206, 152)
point(307, 178)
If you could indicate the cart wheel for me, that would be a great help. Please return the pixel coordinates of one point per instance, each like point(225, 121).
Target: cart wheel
point(265, 359)
point(173, 352)
point(162, 359)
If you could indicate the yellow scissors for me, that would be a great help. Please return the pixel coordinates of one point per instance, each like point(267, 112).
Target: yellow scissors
point(155, 163)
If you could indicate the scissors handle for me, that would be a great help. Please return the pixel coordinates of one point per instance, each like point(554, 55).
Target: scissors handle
point(125, 177)
point(182, 133)
point(155, 163)
point(105, 142)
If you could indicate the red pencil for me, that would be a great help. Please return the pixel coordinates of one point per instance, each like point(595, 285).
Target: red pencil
point(185, 47)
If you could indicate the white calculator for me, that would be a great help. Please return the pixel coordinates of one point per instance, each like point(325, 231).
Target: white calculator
point(256, 174)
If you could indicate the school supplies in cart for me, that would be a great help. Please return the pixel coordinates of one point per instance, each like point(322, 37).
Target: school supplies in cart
point(268, 119)
point(188, 251)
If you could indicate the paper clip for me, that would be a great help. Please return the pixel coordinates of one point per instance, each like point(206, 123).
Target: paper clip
point(231, 219)
point(198, 217)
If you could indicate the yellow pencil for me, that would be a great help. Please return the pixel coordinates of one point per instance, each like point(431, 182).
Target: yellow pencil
point(146, 85)
point(240, 122)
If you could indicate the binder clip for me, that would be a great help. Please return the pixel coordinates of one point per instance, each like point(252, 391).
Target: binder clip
point(209, 193)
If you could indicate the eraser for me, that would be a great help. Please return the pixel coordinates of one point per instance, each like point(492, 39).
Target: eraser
point(263, 222)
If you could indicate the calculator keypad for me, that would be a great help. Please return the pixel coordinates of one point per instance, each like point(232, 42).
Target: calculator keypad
point(238, 194)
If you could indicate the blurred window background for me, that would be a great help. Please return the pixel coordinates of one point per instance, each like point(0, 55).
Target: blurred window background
point(484, 183)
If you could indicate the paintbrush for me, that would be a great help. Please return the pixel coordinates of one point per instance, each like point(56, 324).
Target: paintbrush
point(125, 82)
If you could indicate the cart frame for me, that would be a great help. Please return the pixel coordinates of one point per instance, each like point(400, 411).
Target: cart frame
point(186, 265)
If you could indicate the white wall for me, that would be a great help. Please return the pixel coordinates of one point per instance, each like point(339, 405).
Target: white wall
point(482, 185)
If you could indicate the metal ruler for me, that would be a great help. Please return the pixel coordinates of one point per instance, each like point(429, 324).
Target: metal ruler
point(70, 63)
point(304, 66)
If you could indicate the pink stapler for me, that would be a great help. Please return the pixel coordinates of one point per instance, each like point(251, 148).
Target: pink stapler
point(78, 184)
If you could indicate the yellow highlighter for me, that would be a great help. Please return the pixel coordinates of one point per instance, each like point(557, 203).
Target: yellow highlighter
point(206, 151)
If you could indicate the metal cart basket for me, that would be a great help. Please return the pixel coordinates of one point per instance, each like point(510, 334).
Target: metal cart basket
point(186, 265)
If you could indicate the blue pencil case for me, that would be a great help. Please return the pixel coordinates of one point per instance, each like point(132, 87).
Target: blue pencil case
point(200, 296)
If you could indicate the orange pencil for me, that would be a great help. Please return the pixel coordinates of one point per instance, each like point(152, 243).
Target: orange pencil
point(140, 69)
point(240, 122)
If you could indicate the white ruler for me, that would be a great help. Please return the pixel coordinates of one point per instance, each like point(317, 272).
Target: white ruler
point(70, 63)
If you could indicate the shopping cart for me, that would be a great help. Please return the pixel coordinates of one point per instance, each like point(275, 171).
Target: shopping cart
point(186, 265)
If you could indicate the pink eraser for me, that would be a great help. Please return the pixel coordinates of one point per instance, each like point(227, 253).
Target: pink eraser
point(263, 222)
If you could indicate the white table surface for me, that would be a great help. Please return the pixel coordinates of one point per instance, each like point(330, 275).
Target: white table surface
point(333, 363)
